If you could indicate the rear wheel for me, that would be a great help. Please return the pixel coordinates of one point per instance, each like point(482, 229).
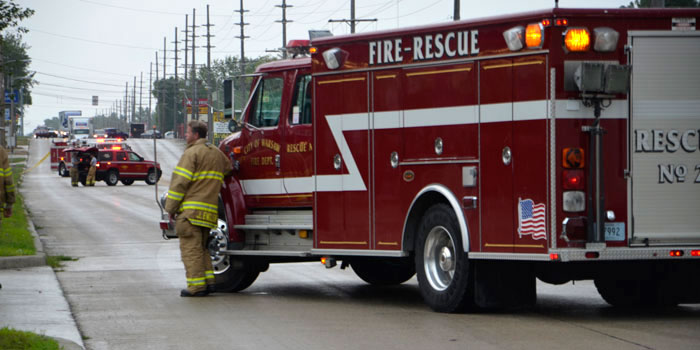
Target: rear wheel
point(634, 292)
point(127, 182)
point(384, 272)
point(443, 269)
point(152, 177)
point(112, 178)
point(62, 171)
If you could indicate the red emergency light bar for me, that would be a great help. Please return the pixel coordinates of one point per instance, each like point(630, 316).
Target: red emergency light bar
point(676, 253)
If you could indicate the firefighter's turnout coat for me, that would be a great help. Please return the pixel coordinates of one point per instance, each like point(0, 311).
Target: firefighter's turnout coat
point(196, 182)
point(7, 187)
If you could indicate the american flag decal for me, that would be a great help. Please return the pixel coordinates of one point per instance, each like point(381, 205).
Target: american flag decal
point(531, 219)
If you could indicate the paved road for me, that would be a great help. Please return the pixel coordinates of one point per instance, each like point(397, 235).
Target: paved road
point(124, 291)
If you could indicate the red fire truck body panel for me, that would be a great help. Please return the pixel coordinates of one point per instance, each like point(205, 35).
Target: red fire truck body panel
point(378, 136)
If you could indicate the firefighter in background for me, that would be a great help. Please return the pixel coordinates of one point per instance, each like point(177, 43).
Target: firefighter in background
point(7, 188)
point(75, 161)
point(91, 173)
point(192, 200)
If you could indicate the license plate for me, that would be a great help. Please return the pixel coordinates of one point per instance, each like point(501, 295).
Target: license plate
point(614, 231)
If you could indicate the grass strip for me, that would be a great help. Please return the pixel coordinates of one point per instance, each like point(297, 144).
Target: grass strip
point(56, 260)
point(15, 238)
point(14, 339)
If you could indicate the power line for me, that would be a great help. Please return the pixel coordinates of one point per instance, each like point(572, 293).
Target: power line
point(82, 81)
point(80, 68)
point(40, 84)
point(138, 9)
point(91, 41)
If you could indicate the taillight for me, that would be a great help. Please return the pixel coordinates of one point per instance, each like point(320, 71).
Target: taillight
point(98, 164)
point(577, 39)
point(676, 253)
point(695, 253)
point(573, 180)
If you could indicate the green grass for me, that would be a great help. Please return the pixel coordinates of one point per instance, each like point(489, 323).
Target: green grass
point(22, 140)
point(55, 260)
point(13, 339)
point(16, 160)
point(15, 238)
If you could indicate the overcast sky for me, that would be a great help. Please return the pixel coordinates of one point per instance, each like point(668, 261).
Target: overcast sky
point(76, 44)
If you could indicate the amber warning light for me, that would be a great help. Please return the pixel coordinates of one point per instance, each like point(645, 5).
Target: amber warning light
point(577, 39)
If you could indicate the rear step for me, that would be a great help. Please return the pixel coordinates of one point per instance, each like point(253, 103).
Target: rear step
point(278, 220)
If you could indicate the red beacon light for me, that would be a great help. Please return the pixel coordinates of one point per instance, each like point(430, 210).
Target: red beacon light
point(298, 48)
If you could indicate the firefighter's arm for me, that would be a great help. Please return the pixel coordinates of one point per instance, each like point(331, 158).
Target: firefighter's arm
point(6, 173)
point(179, 183)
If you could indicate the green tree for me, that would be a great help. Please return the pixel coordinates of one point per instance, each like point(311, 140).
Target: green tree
point(11, 14)
point(52, 123)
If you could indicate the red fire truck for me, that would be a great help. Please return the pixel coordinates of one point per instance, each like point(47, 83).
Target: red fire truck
point(482, 154)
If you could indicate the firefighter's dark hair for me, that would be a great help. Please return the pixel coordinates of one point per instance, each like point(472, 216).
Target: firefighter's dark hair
point(199, 128)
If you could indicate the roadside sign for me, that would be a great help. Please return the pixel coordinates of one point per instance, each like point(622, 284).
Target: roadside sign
point(94, 100)
point(7, 96)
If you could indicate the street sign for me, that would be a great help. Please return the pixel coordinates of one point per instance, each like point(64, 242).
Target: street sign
point(7, 96)
point(94, 100)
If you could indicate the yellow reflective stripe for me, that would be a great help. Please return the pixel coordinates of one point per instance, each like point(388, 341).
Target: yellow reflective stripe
point(216, 175)
point(196, 283)
point(175, 195)
point(199, 206)
point(183, 174)
point(199, 279)
point(209, 274)
point(221, 179)
point(202, 223)
point(184, 170)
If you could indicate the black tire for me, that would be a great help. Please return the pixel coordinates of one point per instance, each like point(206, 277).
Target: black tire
point(444, 273)
point(62, 171)
point(152, 177)
point(384, 272)
point(235, 280)
point(127, 182)
point(627, 293)
point(112, 178)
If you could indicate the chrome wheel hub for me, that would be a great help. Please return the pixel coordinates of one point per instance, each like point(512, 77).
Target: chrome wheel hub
point(439, 258)
point(218, 241)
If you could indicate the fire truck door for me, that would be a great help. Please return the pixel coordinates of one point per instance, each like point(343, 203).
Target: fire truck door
point(297, 149)
point(387, 149)
point(496, 155)
point(259, 171)
point(341, 152)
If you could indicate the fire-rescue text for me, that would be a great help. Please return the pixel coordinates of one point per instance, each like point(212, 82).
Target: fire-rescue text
point(425, 47)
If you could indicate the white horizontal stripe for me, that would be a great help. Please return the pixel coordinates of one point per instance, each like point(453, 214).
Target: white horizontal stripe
point(388, 120)
point(497, 112)
point(531, 110)
point(299, 184)
point(263, 186)
point(440, 116)
point(618, 109)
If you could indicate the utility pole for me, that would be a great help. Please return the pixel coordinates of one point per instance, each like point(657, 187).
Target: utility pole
point(160, 93)
point(133, 102)
point(187, 36)
point(352, 19)
point(176, 88)
point(284, 22)
point(150, 92)
point(162, 120)
point(242, 36)
point(2, 114)
point(195, 100)
point(126, 103)
point(141, 98)
point(210, 121)
point(456, 13)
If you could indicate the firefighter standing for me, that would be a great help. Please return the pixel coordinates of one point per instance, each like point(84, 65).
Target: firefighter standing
point(7, 187)
point(193, 200)
point(91, 173)
point(75, 161)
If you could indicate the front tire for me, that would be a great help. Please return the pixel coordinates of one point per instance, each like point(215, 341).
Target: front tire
point(152, 177)
point(230, 276)
point(444, 272)
point(62, 171)
point(384, 272)
point(112, 178)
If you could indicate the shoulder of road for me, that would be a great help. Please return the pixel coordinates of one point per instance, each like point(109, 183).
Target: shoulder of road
point(31, 294)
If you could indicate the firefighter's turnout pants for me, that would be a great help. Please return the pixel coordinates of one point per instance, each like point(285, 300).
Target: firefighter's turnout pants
point(74, 176)
point(195, 255)
point(91, 176)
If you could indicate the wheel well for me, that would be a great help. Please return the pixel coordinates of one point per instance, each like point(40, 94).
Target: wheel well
point(420, 206)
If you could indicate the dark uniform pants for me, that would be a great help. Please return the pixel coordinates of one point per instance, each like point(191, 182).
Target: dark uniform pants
point(91, 176)
point(74, 175)
point(195, 255)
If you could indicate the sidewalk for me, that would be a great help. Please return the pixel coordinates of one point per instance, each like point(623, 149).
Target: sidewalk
point(31, 299)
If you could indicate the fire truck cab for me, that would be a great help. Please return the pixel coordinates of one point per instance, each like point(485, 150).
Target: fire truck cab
point(480, 155)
